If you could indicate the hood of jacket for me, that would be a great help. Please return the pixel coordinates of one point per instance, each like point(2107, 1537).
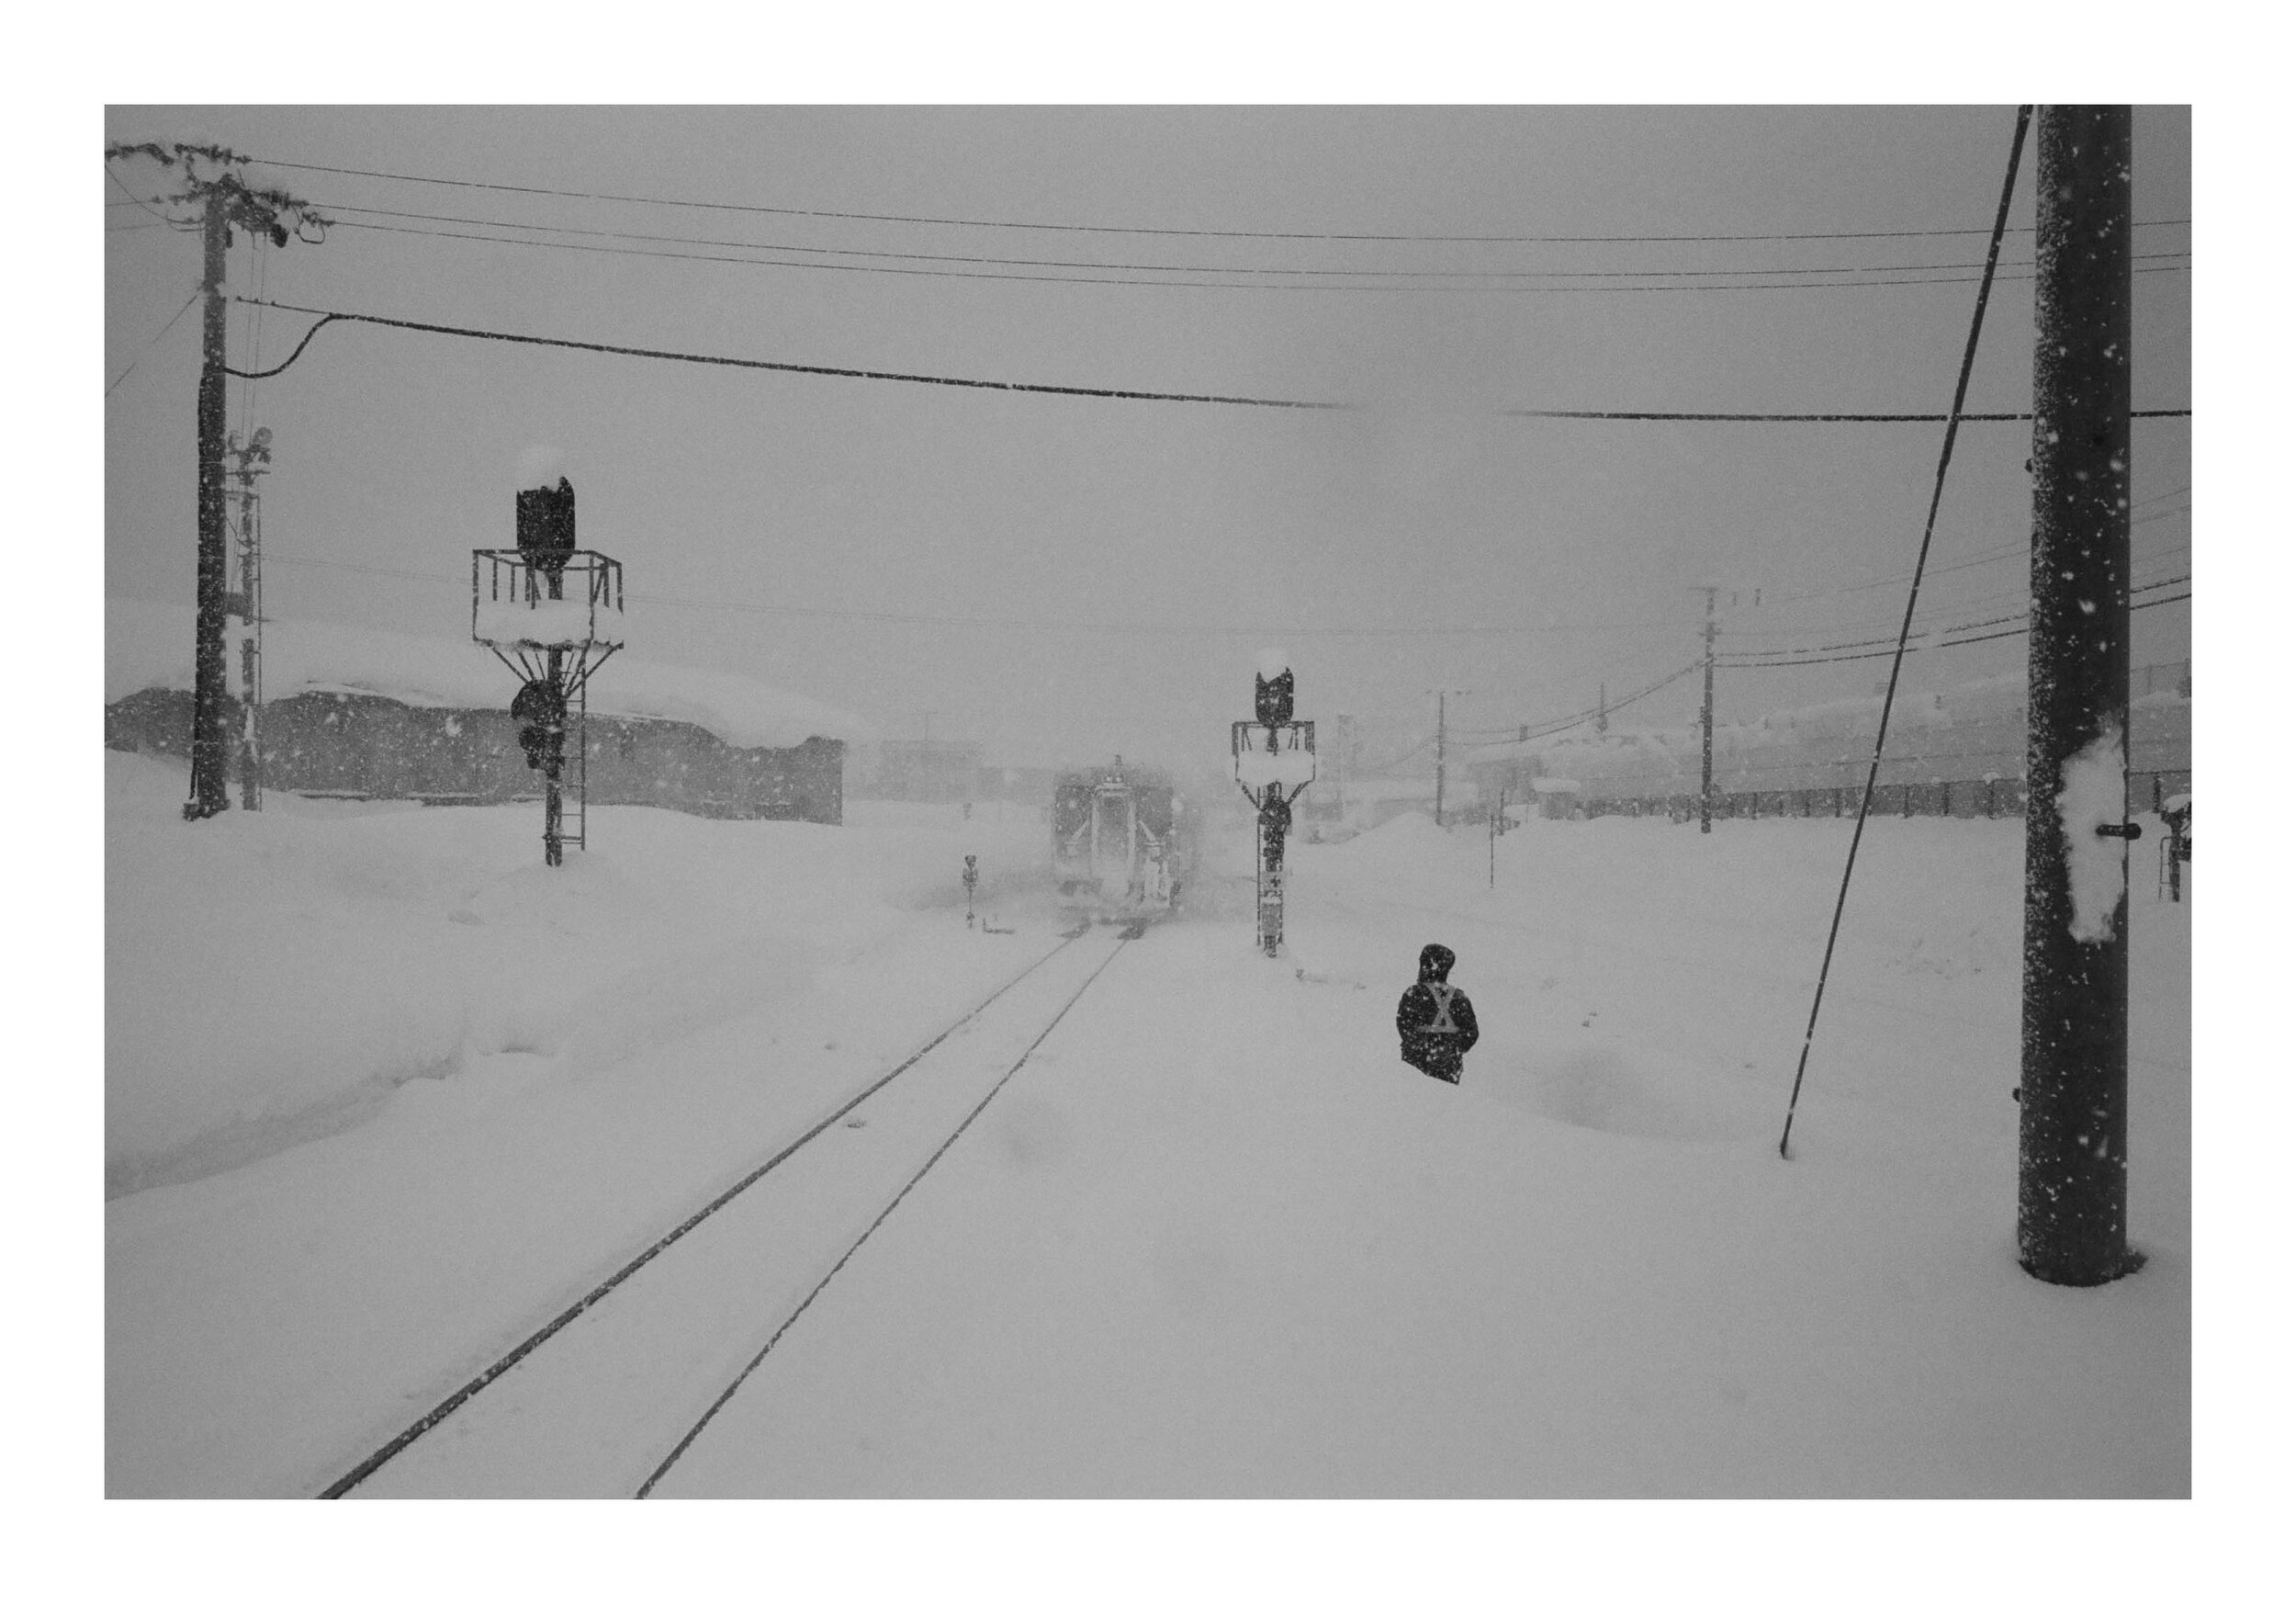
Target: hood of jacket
point(1434, 962)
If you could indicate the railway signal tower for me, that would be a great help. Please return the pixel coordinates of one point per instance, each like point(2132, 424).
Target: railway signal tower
point(552, 612)
point(1275, 760)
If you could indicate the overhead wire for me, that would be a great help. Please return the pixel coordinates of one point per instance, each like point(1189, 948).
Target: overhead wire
point(1099, 279)
point(342, 212)
point(1096, 625)
point(1141, 230)
point(1961, 640)
point(1785, 651)
point(155, 340)
point(1984, 557)
point(181, 225)
point(1514, 730)
point(1535, 730)
point(1084, 392)
point(1913, 595)
point(1933, 622)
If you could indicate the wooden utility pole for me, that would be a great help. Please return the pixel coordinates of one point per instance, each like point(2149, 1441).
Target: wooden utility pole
point(1706, 728)
point(1497, 822)
point(2073, 1092)
point(210, 795)
point(1439, 755)
point(212, 182)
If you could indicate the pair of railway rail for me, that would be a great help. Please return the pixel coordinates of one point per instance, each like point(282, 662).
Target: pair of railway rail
point(482, 1434)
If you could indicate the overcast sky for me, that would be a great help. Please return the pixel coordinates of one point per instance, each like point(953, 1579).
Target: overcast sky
point(1067, 578)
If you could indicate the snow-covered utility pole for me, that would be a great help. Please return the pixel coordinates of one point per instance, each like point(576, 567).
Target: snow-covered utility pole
point(213, 185)
point(2072, 1226)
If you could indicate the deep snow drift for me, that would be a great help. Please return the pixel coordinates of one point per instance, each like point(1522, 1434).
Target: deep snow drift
point(279, 973)
point(1215, 1241)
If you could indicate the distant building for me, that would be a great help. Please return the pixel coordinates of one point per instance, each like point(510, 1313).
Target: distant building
point(360, 714)
point(1506, 770)
point(1959, 750)
point(367, 747)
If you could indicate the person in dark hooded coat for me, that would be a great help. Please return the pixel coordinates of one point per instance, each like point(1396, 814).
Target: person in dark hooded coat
point(1435, 1019)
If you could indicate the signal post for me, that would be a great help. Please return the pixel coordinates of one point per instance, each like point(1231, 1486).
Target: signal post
point(553, 642)
point(1275, 760)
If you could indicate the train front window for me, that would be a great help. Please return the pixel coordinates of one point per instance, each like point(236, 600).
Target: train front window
point(1114, 818)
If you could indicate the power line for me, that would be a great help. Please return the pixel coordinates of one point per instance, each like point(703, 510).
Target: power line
point(2175, 553)
point(1812, 417)
point(1094, 626)
point(1199, 284)
point(1588, 715)
point(1844, 645)
point(1084, 391)
point(147, 345)
point(179, 224)
point(1984, 557)
point(527, 228)
point(1170, 232)
point(1942, 645)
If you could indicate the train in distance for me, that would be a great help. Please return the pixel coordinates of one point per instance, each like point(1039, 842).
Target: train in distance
point(1125, 841)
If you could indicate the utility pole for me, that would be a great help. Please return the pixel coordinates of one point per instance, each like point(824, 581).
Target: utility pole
point(2072, 1182)
point(1439, 751)
point(1495, 823)
point(1705, 727)
point(213, 184)
point(247, 602)
point(1602, 708)
point(208, 795)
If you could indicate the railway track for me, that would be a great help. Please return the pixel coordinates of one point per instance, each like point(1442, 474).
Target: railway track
point(601, 1399)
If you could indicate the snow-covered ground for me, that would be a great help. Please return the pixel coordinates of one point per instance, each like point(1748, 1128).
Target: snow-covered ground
point(383, 1093)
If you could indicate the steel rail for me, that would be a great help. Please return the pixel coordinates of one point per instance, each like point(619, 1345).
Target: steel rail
point(565, 1317)
point(647, 1487)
